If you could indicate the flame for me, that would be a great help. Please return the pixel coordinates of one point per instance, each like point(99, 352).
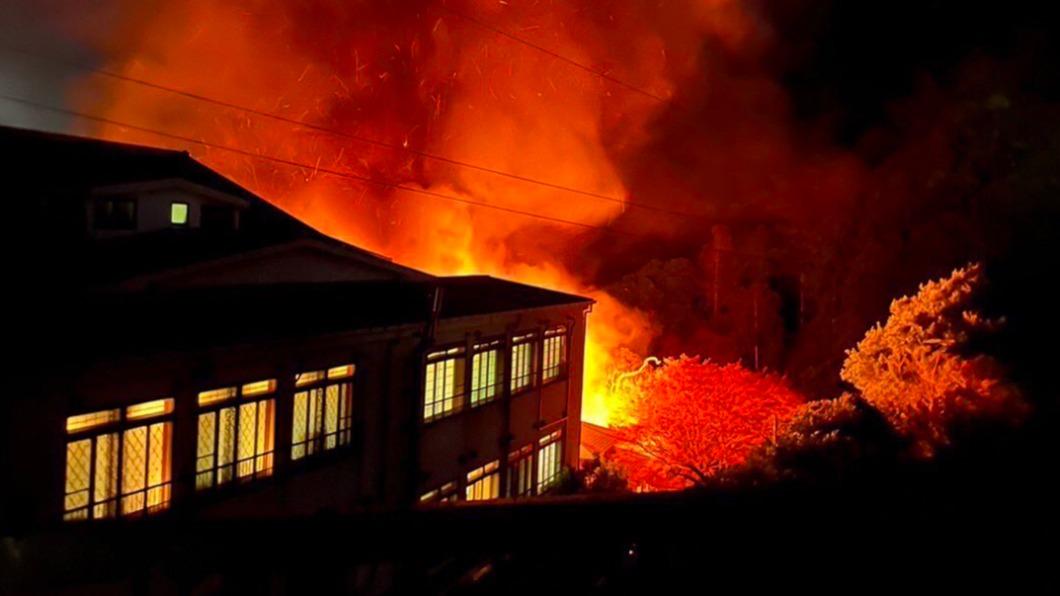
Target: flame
point(416, 75)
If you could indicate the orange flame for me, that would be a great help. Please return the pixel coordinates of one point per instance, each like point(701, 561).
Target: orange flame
point(420, 77)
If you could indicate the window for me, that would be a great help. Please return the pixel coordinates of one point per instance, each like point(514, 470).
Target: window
point(548, 461)
point(323, 411)
point(554, 354)
point(523, 362)
point(236, 434)
point(178, 213)
point(486, 373)
point(443, 390)
point(217, 217)
point(520, 472)
point(444, 494)
point(484, 483)
point(114, 213)
point(118, 461)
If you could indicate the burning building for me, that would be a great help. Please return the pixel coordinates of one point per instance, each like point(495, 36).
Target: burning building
point(190, 350)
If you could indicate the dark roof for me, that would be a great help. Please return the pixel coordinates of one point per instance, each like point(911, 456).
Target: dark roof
point(58, 160)
point(56, 172)
point(481, 294)
point(155, 321)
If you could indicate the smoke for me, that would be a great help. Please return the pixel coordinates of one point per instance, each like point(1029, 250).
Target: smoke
point(745, 169)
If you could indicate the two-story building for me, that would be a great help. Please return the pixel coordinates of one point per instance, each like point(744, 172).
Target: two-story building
point(182, 347)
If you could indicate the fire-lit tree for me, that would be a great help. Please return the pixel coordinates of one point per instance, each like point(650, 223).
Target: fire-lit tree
point(689, 419)
point(918, 369)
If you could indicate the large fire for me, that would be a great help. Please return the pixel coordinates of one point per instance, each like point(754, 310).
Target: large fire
point(559, 144)
point(418, 76)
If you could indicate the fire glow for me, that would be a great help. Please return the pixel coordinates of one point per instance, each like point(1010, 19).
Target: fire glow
point(506, 90)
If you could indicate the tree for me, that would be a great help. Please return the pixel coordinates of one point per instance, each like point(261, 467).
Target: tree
point(920, 368)
point(689, 419)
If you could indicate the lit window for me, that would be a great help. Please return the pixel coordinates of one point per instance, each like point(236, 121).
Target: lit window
point(554, 353)
point(520, 472)
point(484, 483)
point(217, 395)
point(323, 411)
point(486, 374)
point(235, 439)
point(103, 443)
point(443, 392)
point(522, 362)
point(149, 409)
point(549, 461)
point(178, 214)
point(444, 494)
point(88, 421)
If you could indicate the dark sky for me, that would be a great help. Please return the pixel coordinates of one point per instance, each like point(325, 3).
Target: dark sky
point(851, 58)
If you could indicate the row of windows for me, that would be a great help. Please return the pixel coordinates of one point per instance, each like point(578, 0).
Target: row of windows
point(118, 462)
point(484, 482)
point(446, 376)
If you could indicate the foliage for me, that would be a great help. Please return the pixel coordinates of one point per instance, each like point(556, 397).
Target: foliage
point(919, 370)
point(824, 440)
point(599, 476)
point(689, 419)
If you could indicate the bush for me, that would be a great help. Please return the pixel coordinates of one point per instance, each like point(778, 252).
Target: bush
point(688, 419)
point(920, 371)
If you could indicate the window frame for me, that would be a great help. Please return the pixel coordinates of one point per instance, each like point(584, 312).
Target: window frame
point(561, 368)
point(517, 459)
point(236, 403)
point(446, 493)
point(122, 422)
point(108, 221)
point(316, 446)
point(460, 396)
point(543, 484)
point(533, 340)
point(479, 348)
point(488, 476)
point(187, 214)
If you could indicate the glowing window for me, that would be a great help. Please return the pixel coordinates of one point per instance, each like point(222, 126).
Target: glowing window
point(341, 372)
point(520, 472)
point(151, 409)
point(522, 362)
point(235, 441)
point(94, 487)
point(484, 483)
point(258, 388)
point(308, 378)
point(443, 383)
point(323, 412)
point(178, 214)
point(217, 395)
point(444, 494)
point(84, 422)
point(554, 353)
point(549, 461)
point(486, 373)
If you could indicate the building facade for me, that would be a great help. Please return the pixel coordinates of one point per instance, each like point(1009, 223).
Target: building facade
point(189, 350)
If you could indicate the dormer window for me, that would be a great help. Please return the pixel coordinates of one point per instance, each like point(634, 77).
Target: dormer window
point(114, 213)
point(178, 213)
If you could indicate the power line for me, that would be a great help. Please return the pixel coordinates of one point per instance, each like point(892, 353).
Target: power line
point(301, 165)
point(346, 175)
point(556, 55)
point(346, 135)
